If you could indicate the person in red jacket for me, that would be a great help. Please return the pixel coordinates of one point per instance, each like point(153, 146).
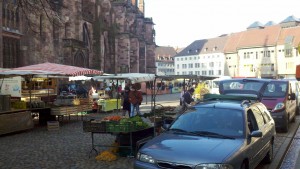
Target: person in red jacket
point(135, 99)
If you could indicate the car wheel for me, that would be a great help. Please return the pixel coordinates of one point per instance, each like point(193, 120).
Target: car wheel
point(244, 165)
point(269, 157)
point(297, 110)
point(285, 128)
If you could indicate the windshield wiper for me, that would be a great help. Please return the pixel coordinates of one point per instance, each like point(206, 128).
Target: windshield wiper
point(211, 134)
point(181, 131)
point(178, 130)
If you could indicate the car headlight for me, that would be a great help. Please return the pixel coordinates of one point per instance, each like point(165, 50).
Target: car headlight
point(278, 107)
point(213, 166)
point(145, 158)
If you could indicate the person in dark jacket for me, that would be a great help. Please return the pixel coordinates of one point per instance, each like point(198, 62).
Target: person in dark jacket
point(187, 96)
point(126, 104)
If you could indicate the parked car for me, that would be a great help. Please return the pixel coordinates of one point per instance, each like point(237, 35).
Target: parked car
point(280, 100)
point(224, 131)
point(295, 84)
point(278, 96)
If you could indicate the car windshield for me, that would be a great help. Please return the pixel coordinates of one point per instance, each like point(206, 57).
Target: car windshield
point(226, 122)
point(275, 89)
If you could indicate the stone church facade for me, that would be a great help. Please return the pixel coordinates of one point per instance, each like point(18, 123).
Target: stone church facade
point(108, 35)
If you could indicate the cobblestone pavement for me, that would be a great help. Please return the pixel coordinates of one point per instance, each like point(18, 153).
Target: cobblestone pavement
point(292, 159)
point(69, 147)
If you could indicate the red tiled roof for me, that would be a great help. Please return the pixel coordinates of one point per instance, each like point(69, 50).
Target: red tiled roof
point(260, 37)
point(232, 42)
point(291, 31)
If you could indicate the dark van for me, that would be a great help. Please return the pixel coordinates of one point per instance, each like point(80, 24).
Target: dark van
point(280, 100)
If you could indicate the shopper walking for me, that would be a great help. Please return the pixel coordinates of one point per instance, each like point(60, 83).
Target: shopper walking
point(135, 98)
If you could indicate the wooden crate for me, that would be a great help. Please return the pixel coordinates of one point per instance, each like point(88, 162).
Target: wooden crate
point(52, 125)
point(59, 111)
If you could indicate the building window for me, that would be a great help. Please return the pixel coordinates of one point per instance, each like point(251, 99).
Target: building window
point(288, 53)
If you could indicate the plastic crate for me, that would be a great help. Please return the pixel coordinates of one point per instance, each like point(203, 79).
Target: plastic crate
point(89, 126)
point(116, 127)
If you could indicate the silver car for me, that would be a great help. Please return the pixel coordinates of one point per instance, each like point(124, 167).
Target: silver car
point(223, 132)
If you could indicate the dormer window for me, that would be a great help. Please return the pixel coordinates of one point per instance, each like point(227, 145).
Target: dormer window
point(206, 49)
point(215, 48)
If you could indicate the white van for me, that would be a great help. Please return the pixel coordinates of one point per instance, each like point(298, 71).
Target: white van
point(213, 85)
point(295, 85)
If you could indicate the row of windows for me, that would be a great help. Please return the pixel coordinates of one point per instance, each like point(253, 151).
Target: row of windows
point(165, 64)
point(203, 73)
point(164, 58)
point(165, 70)
point(199, 65)
point(288, 53)
point(196, 57)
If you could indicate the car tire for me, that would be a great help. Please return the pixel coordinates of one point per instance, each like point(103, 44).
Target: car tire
point(285, 128)
point(297, 110)
point(270, 155)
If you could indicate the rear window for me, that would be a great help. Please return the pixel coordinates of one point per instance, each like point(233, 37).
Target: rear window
point(242, 85)
point(275, 89)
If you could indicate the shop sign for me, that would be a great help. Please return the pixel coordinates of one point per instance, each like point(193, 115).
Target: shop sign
point(11, 86)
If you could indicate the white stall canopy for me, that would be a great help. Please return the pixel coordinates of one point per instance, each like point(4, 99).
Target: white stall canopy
point(133, 77)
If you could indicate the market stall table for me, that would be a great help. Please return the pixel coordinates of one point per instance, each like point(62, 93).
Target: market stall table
point(128, 135)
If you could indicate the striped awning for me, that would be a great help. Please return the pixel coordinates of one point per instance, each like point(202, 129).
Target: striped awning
point(61, 69)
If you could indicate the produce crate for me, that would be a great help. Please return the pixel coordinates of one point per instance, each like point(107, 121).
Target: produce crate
point(89, 126)
point(116, 127)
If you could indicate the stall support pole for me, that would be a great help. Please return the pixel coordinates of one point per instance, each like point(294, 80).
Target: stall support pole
point(153, 97)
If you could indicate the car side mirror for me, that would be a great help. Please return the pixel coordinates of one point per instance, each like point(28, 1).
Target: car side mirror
point(256, 133)
point(292, 96)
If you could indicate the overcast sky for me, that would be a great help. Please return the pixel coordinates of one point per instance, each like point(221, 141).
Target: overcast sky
point(180, 22)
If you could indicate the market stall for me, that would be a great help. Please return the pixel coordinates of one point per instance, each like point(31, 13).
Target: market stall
point(35, 86)
point(72, 106)
point(108, 104)
point(16, 114)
